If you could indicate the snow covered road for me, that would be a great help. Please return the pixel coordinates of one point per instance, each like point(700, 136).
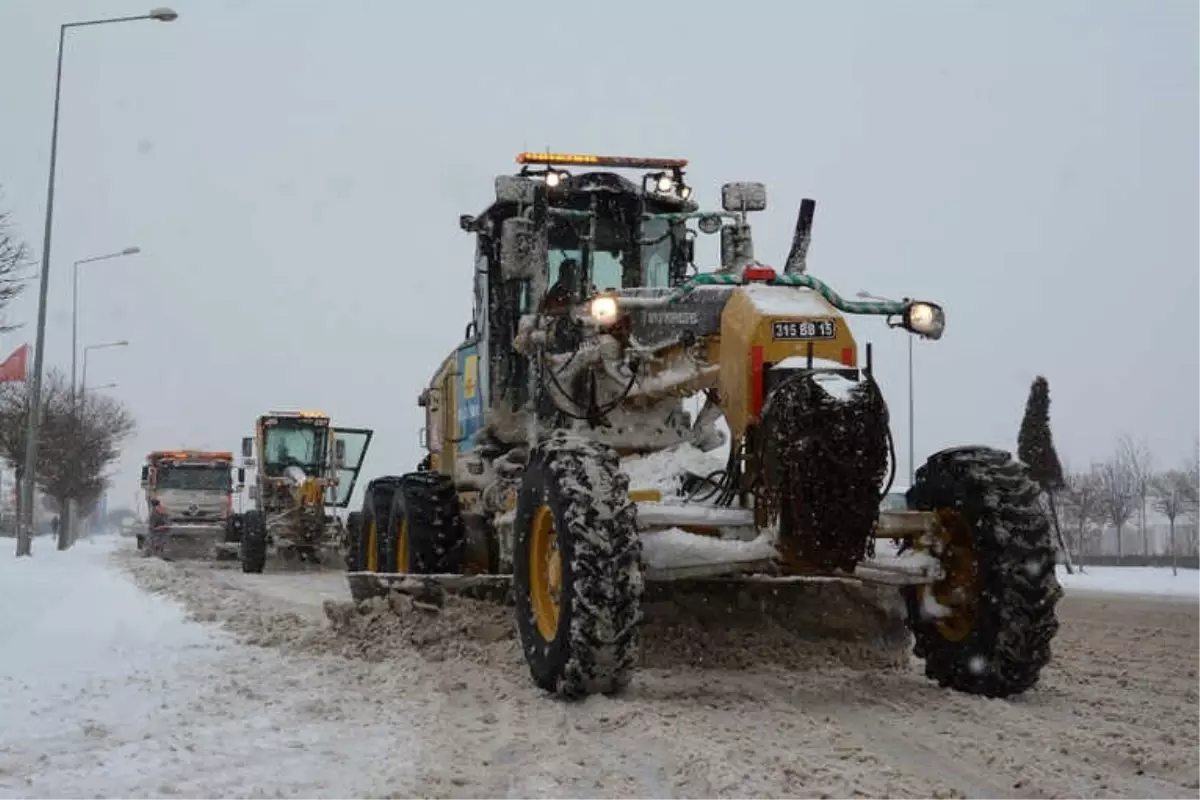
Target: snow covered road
point(106, 690)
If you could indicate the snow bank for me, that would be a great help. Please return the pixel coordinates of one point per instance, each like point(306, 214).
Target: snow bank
point(106, 691)
point(1146, 581)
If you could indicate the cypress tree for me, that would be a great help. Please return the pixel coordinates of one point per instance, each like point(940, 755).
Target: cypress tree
point(1035, 444)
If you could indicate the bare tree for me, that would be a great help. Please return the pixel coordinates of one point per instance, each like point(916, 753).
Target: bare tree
point(1140, 463)
point(1172, 492)
point(75, 450)
point(1081, 504)
point(1118, 495)
point(14, 259)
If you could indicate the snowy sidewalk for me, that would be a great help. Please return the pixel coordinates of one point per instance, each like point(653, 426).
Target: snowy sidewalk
point(1138, 581)
point(106, 691)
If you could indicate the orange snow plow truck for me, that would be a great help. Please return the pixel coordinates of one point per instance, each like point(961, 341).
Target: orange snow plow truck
point(194, 489)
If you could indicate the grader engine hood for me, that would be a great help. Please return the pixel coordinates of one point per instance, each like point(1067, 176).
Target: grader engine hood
point(766, 329)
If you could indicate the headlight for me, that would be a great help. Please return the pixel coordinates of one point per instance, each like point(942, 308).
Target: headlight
point(925, 319)
point(604, 310)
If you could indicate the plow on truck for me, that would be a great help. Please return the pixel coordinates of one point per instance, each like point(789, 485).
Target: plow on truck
point(306, 469)
point(591, 327)
point(195, 490)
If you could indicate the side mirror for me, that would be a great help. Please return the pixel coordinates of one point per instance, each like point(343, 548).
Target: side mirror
point(145, 476)
point(247, 446)
point(744, 197)
point(241, 476)
point(522, 249)
point(339, 453)
point(423, 438)
point(515, 189)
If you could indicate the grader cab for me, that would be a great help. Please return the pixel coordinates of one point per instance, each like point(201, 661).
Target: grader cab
point(592, 328)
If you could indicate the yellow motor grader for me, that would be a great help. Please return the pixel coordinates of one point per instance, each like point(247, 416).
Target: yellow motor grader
point(592, 330)
point(305, 469)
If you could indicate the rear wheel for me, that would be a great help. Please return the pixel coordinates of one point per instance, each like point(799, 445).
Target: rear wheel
point(986, 627)
point(355, 550)
point(254, 542)
point(426, 535)
point(577, 569)
point(377, 503)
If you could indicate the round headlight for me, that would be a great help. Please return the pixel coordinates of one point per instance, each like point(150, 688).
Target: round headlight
point(604, 310)
point(925, 319)
point(553, 179)
point(665, 183)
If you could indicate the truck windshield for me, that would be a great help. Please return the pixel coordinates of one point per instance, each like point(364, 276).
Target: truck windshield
point(294, 446)
point(195, 476)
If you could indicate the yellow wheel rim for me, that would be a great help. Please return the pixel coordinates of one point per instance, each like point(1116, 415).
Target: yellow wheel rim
point(372, 547)
point(402, 546)
point(545, 573)
point(958, 590)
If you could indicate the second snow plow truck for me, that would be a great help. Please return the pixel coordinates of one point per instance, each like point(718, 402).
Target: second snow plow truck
point(591, 326)
point(195, 489)
point(305, 469)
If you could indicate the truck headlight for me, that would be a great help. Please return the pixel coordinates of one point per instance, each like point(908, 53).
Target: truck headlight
point(604, 310)
point(925, 319)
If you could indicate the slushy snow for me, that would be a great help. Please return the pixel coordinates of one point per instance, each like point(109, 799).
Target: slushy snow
point(109, 691)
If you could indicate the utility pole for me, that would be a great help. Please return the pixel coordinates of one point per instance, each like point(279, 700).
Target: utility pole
point(25, 529)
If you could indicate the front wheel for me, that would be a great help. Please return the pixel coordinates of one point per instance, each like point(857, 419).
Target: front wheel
point(577, 569)
point(254, 542)
point(986, 627)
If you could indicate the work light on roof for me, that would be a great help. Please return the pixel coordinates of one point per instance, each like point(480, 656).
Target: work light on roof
point(616, 162)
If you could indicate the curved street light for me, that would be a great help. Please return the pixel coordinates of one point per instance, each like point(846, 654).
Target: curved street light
point(29, 469)
point(128, 251)
point(100, 346)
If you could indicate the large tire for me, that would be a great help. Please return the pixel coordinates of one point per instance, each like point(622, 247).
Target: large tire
point(233, 528)
point(576, 486)
point(254, 542)
point(355, 550)
point(370, 555)
point(425, 533)
point(996, 640)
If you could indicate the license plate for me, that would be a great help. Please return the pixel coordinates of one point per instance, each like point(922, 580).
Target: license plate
point(800, 330)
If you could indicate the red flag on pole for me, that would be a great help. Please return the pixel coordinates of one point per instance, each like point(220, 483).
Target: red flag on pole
point(13, 368)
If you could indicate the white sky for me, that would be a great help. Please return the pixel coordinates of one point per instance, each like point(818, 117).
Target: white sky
point(294, 172)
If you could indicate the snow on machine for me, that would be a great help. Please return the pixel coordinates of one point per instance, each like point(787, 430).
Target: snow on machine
point(592, 328)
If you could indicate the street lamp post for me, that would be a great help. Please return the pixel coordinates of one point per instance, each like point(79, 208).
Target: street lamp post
point(101, 346)
point(79, 399)
point(911, 442)
point(128, 251)
point(25, 528)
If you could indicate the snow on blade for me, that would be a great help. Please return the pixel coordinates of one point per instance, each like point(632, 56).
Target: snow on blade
point(674, 548)
point(664, 470)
